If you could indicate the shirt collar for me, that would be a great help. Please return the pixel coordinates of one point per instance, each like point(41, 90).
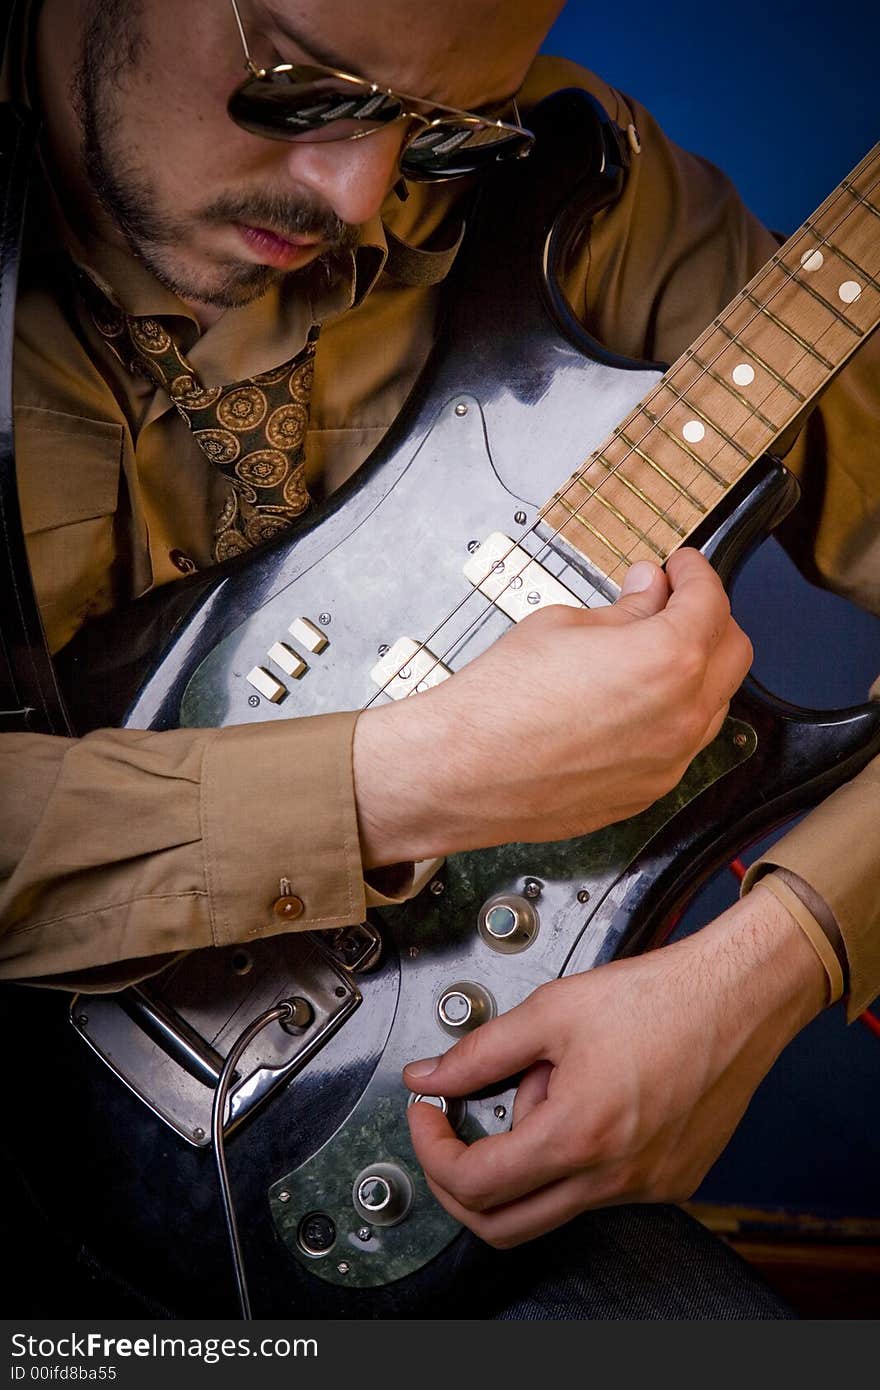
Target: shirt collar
point(257, 336)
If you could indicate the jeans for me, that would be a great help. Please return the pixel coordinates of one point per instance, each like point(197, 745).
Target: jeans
point(618, 1262)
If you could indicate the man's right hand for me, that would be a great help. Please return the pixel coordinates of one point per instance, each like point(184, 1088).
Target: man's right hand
point(574, 719)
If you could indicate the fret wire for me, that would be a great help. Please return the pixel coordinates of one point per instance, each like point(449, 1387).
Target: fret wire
point(845, 183)
point(797, 279)
point(596, 496)
point(718, 323)
point(707, 420)
point(679, 487)
point(657, 422)
point(856, 173)
point(619, 432)
point(731, 390)
point(771, 371)
point(802, 342)
point(576, 516)
point(630, 525)
point(841, 255)
point(637, 492)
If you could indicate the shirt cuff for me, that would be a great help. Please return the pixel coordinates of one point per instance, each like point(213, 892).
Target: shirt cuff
point(391, 886)
point(279, 828)
point(836, 850)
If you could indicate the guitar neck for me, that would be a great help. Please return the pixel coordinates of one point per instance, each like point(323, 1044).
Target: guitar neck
point(735, 391)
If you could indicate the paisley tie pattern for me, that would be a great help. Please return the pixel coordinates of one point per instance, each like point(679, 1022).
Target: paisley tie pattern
point(253, 431)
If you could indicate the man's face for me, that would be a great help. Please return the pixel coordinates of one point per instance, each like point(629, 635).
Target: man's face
point(217, 213)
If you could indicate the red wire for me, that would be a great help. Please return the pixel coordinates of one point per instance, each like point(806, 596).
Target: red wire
point(871, 1022)
point(738, 869)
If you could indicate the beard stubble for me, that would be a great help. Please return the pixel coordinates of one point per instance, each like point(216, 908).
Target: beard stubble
point(112, 38)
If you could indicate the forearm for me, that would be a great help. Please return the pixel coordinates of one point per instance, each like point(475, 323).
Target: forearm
point(574, 719)
point(768, 970)
point(128, 844)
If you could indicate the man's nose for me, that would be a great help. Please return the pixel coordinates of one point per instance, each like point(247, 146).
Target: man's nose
point(352, 176)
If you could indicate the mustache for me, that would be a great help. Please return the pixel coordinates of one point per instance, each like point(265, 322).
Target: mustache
point(287, 216)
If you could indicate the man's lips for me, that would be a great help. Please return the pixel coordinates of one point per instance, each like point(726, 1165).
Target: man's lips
point(268, 248)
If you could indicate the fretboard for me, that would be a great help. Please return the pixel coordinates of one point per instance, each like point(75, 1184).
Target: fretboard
point(731, 395)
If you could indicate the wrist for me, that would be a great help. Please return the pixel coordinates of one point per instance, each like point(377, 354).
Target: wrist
point(399, 759)
point(820, 912)
point(765, 968)
point(801, 979)
point(812, 931)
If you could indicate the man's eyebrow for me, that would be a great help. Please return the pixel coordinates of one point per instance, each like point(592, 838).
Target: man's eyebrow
point(310, 46)
point(313, 49)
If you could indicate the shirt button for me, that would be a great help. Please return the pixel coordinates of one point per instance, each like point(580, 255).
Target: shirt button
point(289, 908)
point(183, 562)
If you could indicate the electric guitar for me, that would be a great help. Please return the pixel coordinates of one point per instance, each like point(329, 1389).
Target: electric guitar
point(440, 542)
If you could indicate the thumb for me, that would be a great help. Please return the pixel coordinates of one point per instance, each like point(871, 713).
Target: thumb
point(645, 591)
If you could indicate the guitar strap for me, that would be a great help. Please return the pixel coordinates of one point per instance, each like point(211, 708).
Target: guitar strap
point(30, 695)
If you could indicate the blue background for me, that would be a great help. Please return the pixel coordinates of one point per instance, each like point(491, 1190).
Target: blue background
point(786, 99)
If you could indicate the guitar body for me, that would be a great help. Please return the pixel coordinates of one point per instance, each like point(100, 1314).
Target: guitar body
point(514, 398)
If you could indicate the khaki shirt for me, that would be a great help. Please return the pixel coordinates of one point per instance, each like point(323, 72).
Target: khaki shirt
point(125, 845)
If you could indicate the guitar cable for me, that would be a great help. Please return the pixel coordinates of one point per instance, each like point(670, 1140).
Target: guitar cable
point(279, 1012)
point(284, 1012)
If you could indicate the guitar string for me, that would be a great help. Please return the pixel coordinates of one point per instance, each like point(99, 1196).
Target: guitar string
point(789, 277)
point(284, 1009)
point(704, 368)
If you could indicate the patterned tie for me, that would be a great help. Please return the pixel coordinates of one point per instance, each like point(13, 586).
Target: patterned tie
point(253, 431)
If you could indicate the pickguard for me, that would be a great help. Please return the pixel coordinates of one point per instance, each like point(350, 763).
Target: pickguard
point(514, 399)
point(398, 570)
point(439, 945)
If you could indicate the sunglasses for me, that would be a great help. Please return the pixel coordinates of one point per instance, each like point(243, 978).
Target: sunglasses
point(309, 102)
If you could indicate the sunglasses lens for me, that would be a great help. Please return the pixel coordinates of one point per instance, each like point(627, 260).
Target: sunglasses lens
point(285, 108)
point(447, 149)
point(309, 104)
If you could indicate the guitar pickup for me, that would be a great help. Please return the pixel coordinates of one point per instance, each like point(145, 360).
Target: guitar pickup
point(408, 668)
point(515, 583)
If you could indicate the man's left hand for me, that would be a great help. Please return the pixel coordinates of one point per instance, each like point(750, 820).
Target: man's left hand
point(636, 1074)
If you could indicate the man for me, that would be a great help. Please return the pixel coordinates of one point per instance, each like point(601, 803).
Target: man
point(156, 209)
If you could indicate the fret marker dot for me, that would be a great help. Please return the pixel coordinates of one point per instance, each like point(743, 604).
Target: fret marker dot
point(694, 431)
point(812, 260)
point(743, 374)
point(849, 291)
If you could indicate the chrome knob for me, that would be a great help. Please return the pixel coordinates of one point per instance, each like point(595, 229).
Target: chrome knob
point(382, 1194)
point(463, 1007)
point(508, 923)
point(453, 1107)
point(374, 1193)
point(501, 922)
